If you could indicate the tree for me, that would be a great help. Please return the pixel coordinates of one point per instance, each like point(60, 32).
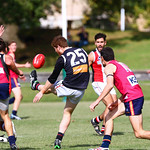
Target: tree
point(24, 13)
point(111, 8)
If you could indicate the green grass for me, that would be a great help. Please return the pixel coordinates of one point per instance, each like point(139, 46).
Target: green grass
point(40, 122)
point(39, 126)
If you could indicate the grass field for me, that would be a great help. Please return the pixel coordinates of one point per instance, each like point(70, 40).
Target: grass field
point(39, 125)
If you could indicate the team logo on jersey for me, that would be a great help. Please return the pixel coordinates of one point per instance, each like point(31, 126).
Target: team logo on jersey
point(80, 69)
point(1, 70)
point(99, 60)
point(132, 79)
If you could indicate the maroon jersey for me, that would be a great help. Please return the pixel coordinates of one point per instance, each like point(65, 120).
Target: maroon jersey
point(13, 74)
point(5, 86)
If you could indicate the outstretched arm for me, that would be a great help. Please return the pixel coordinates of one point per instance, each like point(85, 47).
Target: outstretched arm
point(26, 65)
point(109, 71)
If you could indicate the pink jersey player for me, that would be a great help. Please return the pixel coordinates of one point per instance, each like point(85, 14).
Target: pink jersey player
point(126, 82)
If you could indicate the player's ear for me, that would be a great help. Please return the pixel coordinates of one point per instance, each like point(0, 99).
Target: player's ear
point(105, 42)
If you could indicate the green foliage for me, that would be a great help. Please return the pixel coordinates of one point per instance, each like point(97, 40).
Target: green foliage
point(24, 13)
point(111, 8)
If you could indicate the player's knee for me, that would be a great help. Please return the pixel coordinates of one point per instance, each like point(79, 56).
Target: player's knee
point(138, 135)
point(21, 97)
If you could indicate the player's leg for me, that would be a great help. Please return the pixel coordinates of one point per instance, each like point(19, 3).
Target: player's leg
point(109, 99)
point(134, 111)
point(2, 127)
point(18, 97)
point(116, 112)
point(8, 128)
point(73, 98)
point(35, 85)
point(68, 110)
point(137, 125)
point(95, 123)
point(2, 138)
point(98, 87)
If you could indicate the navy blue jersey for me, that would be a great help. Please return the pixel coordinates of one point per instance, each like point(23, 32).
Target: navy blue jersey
point(75, 63)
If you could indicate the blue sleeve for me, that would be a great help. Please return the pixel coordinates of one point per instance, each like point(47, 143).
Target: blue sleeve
point(58, 67)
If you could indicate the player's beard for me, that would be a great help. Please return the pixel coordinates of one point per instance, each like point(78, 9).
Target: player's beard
point(99, 48)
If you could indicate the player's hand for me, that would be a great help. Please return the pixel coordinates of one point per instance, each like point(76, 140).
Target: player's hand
point(112, 106)
point(1, 30)
point(21, 76)
point(93, 105)
point(27, 65)
point(37, 97)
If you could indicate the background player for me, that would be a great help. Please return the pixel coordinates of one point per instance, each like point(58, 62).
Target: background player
point(15, 85)
point(6, 63)
point(99, 80)
point(132, 97)
point(75, 63)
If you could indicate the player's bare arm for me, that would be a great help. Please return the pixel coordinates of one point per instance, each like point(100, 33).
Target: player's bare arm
point(26, 65)
point(109, 71)
point(114, 104)
point(90, 58)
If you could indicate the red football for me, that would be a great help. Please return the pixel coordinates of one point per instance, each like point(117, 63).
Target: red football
point(38, 61)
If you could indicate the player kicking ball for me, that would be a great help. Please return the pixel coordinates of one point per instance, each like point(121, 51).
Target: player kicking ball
point(75, 62)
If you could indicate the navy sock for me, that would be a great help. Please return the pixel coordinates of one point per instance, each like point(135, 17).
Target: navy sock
point(11, 100)
point(14, 112)
point(59, 136)
point(11, 139)
point(106, 141)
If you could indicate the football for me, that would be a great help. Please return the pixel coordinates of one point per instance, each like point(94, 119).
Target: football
point(38, 61)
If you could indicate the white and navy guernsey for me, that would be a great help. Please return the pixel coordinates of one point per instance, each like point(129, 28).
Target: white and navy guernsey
point(75, 63)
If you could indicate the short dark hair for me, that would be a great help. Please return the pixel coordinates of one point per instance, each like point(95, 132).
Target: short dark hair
point(100, 35)
point(11, 42)
point(59, 40)
point(2, 45)
point(107, 53)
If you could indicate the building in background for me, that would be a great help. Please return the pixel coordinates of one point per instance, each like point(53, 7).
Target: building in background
point(76, 10)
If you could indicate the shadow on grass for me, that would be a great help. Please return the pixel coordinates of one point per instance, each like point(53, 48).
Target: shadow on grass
point(118, 133)
point(25, 117)
point(83, 145)
point(114, 133)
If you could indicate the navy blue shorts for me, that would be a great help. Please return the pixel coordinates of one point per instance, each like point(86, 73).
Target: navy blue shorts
point(134, 107)
point(14, 83)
